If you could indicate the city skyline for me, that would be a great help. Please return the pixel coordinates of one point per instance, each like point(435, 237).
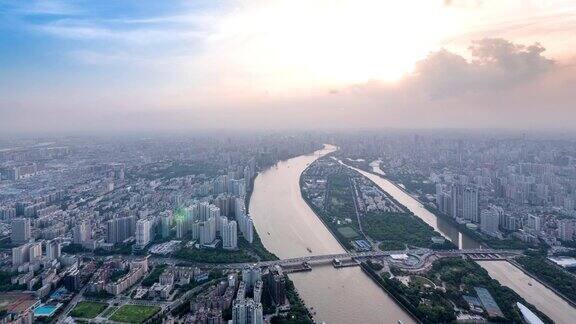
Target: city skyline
point(188, 66)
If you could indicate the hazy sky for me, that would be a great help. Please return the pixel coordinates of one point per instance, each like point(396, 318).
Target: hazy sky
point(186, 65)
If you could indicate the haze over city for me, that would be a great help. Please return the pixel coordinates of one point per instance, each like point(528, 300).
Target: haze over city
point(181, 65)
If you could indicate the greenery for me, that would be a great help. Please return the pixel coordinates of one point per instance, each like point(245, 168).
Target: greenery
point(181, 169)
point(6, 282)
point(458, 277)
point(87, 309)
point(298, 313)
point(134, 313)
point(374, 265)
point(153, 276)
point(463, 275)
point(73, 248)
point(348, 232)
point(214, 255)
point(397, 229)
point(560, 280)
point(257, 248)
point(119, 248)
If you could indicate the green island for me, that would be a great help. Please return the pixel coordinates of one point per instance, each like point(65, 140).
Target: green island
point(134, 313)
point(88, 309)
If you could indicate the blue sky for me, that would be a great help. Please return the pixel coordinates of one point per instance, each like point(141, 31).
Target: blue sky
point(79, 40)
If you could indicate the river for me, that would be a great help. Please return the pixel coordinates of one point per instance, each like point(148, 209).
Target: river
point(345, 295)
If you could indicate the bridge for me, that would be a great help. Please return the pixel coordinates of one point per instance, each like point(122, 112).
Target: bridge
point(475, 254)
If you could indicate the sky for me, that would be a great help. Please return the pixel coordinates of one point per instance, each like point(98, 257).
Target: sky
point(138, 65)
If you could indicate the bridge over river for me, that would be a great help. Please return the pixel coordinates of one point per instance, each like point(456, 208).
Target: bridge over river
point(420, 254)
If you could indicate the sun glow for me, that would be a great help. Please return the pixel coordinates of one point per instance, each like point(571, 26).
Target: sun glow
point(334, 42)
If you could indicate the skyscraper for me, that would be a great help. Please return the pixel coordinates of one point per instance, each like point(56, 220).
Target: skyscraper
point(470, 204)
point(53, 249)
point(566, 229)
point(35, 251)
point(230, 236)
point(82, 232)
point(120, 229)
point(166, 220)
point(456, 193)
point(489, 220)
point(21, 230)
point(142, 233)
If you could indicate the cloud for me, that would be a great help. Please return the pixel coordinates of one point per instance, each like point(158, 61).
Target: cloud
point(495, 65)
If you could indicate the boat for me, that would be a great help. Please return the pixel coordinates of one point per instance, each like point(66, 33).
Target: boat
point(529, 284)
point(309, 249)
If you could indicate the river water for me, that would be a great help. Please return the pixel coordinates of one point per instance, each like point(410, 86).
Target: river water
point(288, 228)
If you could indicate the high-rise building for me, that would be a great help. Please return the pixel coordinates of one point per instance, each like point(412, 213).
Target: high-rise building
point(275, 283)
point(35, 251)
point(53, 249)
point(248, 229)
point(21, 230)
point(142, 233)
point(251, 275)
point(20, 254)
point(566, 229)
point(470, 204)
point(246, 226)
point(534, 223)
point(247, 310)
point(207, 231)
point(82, 232)
point(456, 194)
point(120, 229)
point(230, 236)
point(489, 220)
point(166, 221)
point(180, 231)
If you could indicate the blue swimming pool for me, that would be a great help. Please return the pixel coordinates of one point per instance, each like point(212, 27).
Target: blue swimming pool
point(45, 310)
